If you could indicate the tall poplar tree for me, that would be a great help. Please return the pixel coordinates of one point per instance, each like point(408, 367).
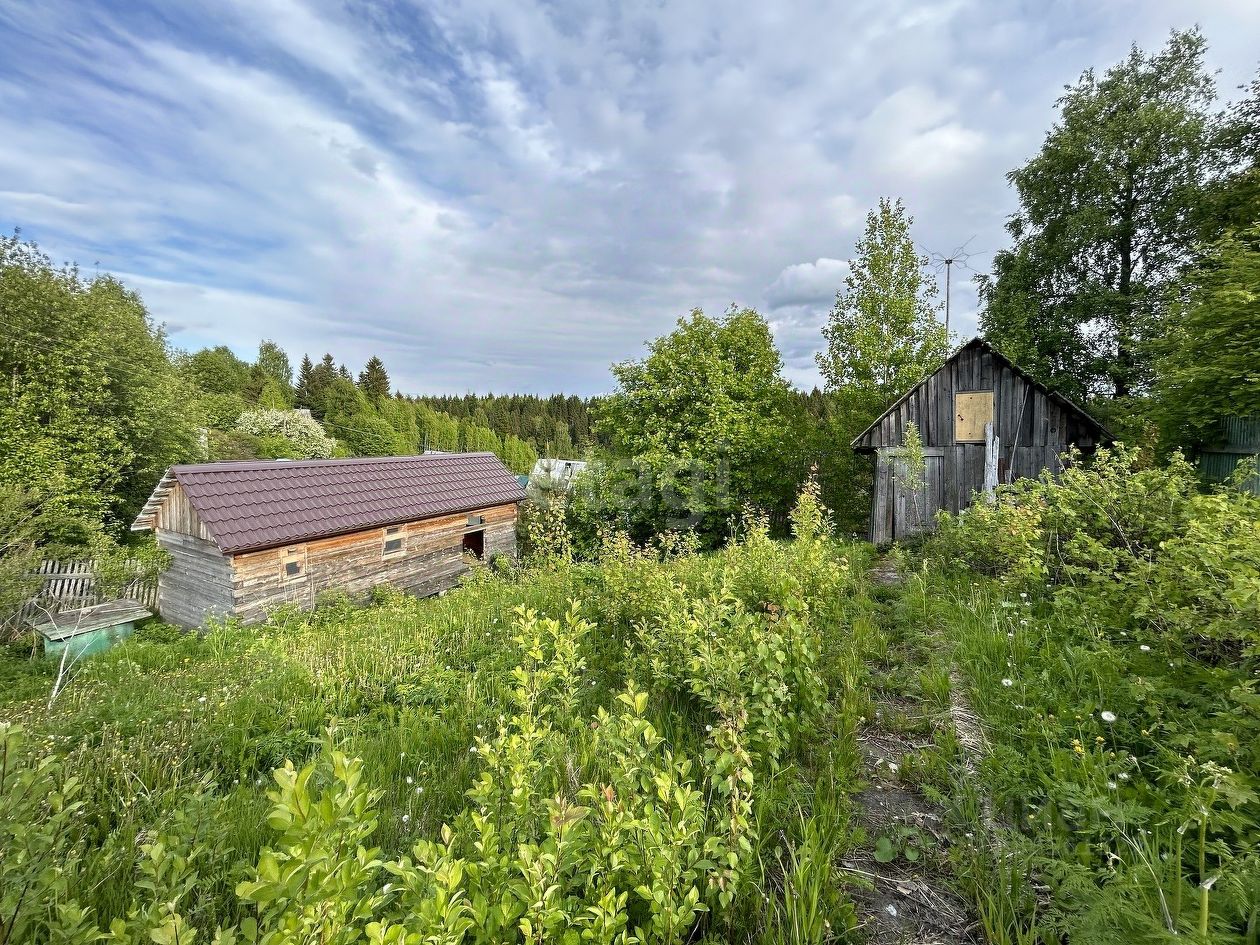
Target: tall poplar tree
point(883, 336)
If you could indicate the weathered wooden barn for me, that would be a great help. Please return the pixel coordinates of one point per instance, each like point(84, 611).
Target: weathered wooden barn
point(245, 537)
point(982, 421)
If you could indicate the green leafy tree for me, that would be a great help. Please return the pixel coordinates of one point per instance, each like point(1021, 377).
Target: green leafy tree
point(92, 411)
point(883, 336)
point(709, 421)
point(479, 439)
point(218, 371)
point(274, 363)
point(518, 455)
point(21, 530)
point(273, 396)
point(401, 415)
point(438, 430)
point(1209, 366)
point(368, 434)
point(339, 401)
point(1109, 212)
point(374, 380)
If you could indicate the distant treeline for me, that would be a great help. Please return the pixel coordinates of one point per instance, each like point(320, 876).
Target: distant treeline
point(558, 426)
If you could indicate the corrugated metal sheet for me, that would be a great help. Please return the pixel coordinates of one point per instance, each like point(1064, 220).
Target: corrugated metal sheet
point(1241, 442)
point(1243, 433)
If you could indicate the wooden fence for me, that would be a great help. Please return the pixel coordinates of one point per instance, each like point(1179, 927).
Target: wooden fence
point(67, 585)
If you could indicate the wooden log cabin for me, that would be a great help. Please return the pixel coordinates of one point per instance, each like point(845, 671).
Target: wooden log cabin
point(982, 421)
point(246, 537)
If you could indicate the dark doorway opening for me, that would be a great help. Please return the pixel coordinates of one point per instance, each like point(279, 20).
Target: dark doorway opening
point(475, 543)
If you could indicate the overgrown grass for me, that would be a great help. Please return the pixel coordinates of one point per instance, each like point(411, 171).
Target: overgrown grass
point(1112, 657)
point(174, 734)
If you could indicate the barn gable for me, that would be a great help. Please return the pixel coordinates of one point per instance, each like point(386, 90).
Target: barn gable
point(1024, 410)
point(982, 420)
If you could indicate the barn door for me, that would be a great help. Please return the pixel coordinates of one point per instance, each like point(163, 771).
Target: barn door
point(914, 510)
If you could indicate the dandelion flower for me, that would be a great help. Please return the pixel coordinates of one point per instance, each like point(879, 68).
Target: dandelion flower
point(1107, 717)
point(1008, 683)
point(1144, 648)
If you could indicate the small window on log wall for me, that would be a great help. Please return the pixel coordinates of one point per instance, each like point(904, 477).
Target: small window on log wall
point(972, 411)
point(393, 541)
point(294, 563)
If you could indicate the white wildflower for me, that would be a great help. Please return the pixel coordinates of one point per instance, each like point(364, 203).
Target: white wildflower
point(1107, 717)
point(1008, 683)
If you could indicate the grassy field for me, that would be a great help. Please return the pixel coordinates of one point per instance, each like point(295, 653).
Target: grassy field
point(710, 695)
point(755, 745)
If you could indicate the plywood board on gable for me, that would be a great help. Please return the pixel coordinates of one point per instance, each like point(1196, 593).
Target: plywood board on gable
point(972, 410)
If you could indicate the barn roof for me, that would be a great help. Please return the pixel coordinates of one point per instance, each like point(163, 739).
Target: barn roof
point(263, 504)
point(982, 345)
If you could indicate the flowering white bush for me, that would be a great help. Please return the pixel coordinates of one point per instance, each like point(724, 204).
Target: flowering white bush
point(305, 434)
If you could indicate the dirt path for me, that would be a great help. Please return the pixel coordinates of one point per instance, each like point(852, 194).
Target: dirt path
point(907, 899)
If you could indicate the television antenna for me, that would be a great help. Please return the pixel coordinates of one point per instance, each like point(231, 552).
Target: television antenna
point(947, 261)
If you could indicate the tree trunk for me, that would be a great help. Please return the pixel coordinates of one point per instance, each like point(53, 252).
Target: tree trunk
point(1122, 372)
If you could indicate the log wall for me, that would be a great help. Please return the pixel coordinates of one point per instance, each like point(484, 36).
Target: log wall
point(197, 586)
point(431, 561)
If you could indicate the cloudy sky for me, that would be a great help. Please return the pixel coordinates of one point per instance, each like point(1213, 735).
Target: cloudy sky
point(509, 196)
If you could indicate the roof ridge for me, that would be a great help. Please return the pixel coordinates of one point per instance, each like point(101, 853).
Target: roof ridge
point(344, 461)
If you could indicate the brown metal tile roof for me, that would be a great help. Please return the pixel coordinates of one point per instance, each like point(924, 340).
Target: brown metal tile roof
point(264, 504)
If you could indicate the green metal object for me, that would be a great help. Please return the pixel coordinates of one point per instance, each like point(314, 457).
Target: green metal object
point(1242, 441)
point(75, 634)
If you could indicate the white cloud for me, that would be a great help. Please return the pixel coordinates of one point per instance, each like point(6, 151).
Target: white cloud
point(807, 283)
point(503, 196)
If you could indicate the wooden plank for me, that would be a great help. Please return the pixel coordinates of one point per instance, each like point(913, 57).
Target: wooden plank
point(972, 412)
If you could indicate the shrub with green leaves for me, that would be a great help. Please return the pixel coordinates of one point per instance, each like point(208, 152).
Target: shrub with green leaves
point(305, 437)
point(1141, 545)
point(524, 770)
